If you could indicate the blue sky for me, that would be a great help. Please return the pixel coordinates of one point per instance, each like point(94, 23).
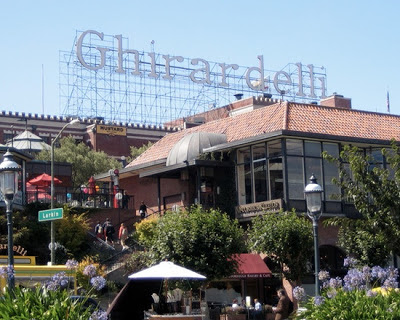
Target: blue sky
point(356, 41)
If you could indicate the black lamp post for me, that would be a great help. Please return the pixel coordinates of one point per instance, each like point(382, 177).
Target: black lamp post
point(52, 229)
point(9, 186)
point(313, 192)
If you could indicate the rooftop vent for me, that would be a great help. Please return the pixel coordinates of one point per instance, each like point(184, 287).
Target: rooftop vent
point(238, 96)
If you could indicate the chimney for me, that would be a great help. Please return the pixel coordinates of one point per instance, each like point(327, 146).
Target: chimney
point(336, 101)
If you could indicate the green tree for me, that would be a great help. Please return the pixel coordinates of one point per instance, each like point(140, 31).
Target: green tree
point(85, 162)
point(202, 240)
point(286, 239)
point(375, 193)
point(137, 151)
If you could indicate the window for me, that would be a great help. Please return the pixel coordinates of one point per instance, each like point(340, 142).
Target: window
point(294, 147)
point(295, 177)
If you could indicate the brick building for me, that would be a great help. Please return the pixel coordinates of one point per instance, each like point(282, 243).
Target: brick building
point(257, 154)
point(115, 139)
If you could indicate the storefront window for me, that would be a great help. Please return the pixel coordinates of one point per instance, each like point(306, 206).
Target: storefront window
point(259, 152)
point(295, 177)
point(312, 148)
point(244, 183)
point(274, 148)
point(244, 155)
point(294, 147)
point(332, 191)
point(260, 180)
point(275, 178)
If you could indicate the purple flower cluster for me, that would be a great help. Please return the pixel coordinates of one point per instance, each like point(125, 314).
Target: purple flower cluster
point(71, 264)
point(98, 282)
point(58, 281)
point(323, 275)
point(350, 262)
point(90, 271)
point(318, 300)
point(354, 279)
point(299, 293)
point(6, 272)
point(99, 315)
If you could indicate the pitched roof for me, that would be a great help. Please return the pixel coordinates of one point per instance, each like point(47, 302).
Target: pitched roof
point(307, 118)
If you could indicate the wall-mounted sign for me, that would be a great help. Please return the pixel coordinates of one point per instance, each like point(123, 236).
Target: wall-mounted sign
point(111, 130)
point(17, 249)
point(250, 210)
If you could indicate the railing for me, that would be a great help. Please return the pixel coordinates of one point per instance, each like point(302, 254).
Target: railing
point(81, 197)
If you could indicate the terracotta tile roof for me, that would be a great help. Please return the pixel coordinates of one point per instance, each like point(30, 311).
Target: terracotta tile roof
point(287, 116)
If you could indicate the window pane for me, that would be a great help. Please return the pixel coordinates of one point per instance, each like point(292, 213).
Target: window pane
point(312, 148)
point(332, 191)
point(243, 155)
point(313, 166)
point(260, 181)
point(294, 147)
point(276, 178)
point(259, 151)
point(244, 184)
point(332, 149)
point(274, 148)
point(295, 177)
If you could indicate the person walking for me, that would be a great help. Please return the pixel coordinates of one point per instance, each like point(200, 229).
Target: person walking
point(109, 232)
point(143, 210)
point(123, 235)
point(282, 309)
point(98, 230)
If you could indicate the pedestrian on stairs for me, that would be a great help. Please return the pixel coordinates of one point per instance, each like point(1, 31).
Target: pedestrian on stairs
point(123, 235)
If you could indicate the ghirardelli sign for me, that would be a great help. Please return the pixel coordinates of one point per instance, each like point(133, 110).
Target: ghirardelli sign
point(201, 71)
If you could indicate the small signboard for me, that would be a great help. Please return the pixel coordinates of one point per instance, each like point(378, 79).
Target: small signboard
point(51, 214)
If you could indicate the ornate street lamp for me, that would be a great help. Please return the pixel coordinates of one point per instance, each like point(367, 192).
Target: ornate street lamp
point(9, 186)
point(52, 230)
point(313, 193)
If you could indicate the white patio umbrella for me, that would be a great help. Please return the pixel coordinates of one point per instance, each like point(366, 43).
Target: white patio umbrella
point(166, 270)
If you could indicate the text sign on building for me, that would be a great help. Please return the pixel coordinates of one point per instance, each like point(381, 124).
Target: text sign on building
point(254, 209)
point(111, 130)
point(157, 66)
point(51, 214)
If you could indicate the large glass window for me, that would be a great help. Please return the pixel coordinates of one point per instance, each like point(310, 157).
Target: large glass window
point(243, 155)
point(294, 147)
point(260, 180)
point(275, 178)
point(312, 148)
point(295, 177)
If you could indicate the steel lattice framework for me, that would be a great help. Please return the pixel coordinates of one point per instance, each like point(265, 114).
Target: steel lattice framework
point(129, 98)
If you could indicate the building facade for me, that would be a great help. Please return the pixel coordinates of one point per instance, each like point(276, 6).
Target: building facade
point(256, 155)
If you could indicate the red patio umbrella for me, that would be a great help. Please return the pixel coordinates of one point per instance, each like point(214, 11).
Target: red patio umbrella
point(44, 180)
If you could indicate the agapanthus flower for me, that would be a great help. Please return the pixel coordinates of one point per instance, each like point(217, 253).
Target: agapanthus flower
point(90, 270)
point(390, 283)
point(331, 293)
point(318, 300)
point(378, 273)
point(99, 315)
point(335, 283)
point(299, 293)
point(354, 279)
point(58, 281)
point(71, 264)
point(350, 262)
point(98, 282)
point(323, 275)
